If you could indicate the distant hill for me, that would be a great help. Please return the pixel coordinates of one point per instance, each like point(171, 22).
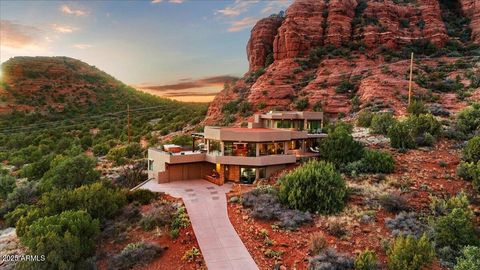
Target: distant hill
point(58, 84)
point(37, 89)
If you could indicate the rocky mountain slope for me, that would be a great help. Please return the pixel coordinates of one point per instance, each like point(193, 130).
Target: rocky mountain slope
point(341, 56)
point(57, 84)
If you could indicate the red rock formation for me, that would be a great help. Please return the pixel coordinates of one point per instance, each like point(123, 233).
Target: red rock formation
point(471, 8)
point(301, 30)
point(347, 25)
point(261, 41)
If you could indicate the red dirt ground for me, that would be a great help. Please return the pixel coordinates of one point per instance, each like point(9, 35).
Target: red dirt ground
point(170, 259)
point(426, 176)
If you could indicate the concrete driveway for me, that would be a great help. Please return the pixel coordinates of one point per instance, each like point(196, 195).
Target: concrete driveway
point(206, 205)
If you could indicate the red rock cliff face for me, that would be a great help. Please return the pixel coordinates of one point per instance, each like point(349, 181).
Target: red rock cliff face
point(356, 35)
point(261, 41)
point(471, 9)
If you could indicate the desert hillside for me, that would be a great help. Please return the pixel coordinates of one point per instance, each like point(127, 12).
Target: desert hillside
point(343, 56)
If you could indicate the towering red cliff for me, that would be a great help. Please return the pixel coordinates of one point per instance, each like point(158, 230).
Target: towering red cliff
point(341, 55)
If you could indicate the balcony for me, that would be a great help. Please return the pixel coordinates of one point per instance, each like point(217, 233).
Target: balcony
point(252, 161)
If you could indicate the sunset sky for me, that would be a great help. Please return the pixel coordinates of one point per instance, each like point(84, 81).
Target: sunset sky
point(159, 42)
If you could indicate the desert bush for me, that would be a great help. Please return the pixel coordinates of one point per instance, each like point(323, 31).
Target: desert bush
point(456, 229)
point(160, 215)
point(301, 104)
point(470, 172)
point(179, 220)
point(317, 243)
point(340, 147)
point(329, 259)
point(134, 254)
point(366, 260)
point(191, 254)
point(381, 122)
point(468, 120)
point(7, 185)
point(315, 186)
point(100, 149)
point(266, 205)
point(416, 108)
point(70, 172)
point(25, 193)
point(374, 161)
point(399, 134)
point(424, 123)
point(365, 119)
point(405, 224)
point(337, 228)
point(410, 253)
point(470, 259)
point(471, 152)
point(65, 240)
point(143, 196)
point(97, 199)
point(441, 207)
point(393, 203)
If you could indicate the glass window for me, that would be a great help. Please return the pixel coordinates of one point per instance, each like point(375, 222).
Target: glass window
point(214, 148)
point(271, 149)
point(150, 165)
point(294, 144)
point(239, 149)
point(248, 175)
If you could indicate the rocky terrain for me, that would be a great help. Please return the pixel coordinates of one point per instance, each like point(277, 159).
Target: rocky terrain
point(54, 83)
point(340, 56)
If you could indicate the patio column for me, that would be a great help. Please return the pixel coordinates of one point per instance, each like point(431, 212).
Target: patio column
point(257, 149)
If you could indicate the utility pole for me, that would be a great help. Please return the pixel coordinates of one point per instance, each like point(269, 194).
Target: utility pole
point(410, 83)
point(129, 133)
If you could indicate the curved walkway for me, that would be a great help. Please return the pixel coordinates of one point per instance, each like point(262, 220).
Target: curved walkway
point(206, 205)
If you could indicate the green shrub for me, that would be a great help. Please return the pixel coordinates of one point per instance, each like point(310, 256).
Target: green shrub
point(399, 134)
point(469, 260)
point(364, 119)
point(7, 184)
point(366, 260)
point(381, 122)
point(456, 229)
point(471, 152)
point(100, 149)
point(117, 155)
point(66, 240)
point(143, 196)
point(377, 162)
point(98, 200)
point(468, 120)
point(315, 186)
point(422, 124)
point(416, 108)
point(409, 253)
point(70, 172)
point(301, 104)
point(340, 147)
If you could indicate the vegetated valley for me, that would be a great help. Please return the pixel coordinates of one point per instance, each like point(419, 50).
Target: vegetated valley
point(397, 186)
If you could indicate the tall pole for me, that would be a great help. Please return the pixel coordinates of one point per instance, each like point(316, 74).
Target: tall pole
point(410, 83)
point(129, 133)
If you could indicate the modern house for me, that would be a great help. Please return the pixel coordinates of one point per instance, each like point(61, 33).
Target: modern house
point(269, 143)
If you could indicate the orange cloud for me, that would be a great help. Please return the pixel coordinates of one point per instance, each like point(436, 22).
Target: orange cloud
point(191, 84)
point(15, 35)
